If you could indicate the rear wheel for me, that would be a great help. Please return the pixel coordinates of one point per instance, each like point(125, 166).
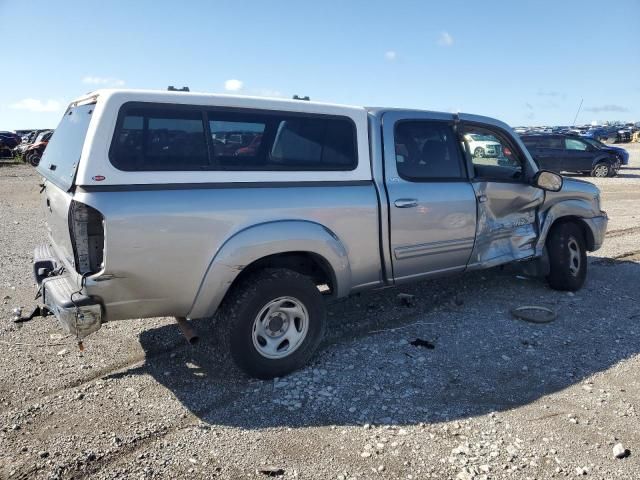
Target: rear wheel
point(567, 257)
point(601, 170)
point(273, 322)
point(478, 152)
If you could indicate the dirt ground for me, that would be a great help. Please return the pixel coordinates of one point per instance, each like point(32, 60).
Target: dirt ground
point(486, 396)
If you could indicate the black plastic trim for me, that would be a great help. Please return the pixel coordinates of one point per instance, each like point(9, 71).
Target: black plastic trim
point(221, 185)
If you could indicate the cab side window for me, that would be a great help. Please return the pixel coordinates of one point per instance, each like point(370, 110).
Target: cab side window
point(493, 156)
point(427, 150)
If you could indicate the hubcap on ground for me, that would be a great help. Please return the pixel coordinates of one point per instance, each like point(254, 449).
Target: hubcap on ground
point(280, 327)
point(574, 257)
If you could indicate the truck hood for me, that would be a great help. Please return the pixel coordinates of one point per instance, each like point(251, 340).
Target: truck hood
point(574, 189)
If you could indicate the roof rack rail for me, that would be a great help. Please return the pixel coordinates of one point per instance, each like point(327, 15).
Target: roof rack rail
point(171, 88)
point(298, 97)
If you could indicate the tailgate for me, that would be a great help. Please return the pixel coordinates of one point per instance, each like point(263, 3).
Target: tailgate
point(56, 203)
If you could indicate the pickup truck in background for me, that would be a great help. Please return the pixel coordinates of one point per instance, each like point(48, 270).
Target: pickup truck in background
point(257, 211)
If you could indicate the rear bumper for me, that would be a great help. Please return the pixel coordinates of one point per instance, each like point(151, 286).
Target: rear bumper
point(63, 294)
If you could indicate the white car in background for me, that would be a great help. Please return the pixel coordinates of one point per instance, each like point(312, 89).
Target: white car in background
point(482, 145)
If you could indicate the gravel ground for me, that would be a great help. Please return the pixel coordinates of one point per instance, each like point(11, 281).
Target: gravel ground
point(485, 396)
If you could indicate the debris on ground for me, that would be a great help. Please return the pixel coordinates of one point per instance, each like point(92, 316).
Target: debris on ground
point(534, 314)
point(271, 471)
point(406, 299)
point(419, 342)
point(620, 452)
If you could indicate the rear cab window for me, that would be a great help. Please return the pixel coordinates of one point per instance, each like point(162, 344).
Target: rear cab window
point(62, 155)
point(156, 137)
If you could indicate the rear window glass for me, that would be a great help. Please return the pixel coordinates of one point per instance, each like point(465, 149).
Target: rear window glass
point(177, 138)
point(62, 154)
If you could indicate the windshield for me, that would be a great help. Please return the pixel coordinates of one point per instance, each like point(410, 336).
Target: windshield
point(61, 157)
point(40, 137)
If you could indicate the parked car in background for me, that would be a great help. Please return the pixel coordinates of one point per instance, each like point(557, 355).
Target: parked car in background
point(148, 216)
point(601, 134)
point(569, 153)
point(482, 145)
point(27, 141)
point(10, 139)
point(33, 153)
point(624, 134)
point(621, 153)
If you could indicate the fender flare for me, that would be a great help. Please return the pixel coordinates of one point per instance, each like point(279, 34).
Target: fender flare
point(609, 159)
point(264, 239)
point(579, 210)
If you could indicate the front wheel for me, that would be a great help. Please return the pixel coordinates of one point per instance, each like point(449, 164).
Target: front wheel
point(601, 170)
point(273, 322)
point(34, 159)
point(478, 152)
point(567, 257)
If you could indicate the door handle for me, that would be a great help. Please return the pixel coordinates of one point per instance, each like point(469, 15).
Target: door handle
point(406, 202)
point(482, 198)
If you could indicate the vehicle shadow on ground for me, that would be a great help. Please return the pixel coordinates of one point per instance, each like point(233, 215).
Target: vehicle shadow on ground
point(477, 358)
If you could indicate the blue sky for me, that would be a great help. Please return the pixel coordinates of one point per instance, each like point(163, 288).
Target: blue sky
point(526, 63)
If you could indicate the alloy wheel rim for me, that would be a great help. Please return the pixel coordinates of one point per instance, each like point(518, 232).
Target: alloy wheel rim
point(575, 259)
point(601, 171)
point(280, 327)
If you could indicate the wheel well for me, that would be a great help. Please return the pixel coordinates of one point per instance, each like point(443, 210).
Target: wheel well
point(586, 231)
point(305, 263)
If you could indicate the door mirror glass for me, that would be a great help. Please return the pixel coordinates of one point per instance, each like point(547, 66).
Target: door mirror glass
point(547, 180)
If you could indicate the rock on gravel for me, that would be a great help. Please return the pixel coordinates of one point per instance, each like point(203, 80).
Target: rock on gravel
point(619, 451)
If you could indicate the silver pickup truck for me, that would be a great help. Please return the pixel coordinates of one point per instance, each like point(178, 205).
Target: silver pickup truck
point(256, 211)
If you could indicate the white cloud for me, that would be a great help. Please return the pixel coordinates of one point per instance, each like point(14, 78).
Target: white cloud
point(35, 105)
point(445, 39)
point(390, 55)
point(233, 85)
point(107, 81)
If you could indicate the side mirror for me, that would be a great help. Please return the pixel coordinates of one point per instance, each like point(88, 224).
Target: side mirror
point(547, 180)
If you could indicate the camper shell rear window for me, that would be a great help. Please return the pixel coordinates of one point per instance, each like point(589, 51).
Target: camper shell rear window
point(61, 157)
point(162, 137)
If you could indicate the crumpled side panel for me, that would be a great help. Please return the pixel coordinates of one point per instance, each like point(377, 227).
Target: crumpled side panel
point(507, 229)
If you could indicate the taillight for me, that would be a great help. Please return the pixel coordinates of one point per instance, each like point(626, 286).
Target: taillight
point(87, 236)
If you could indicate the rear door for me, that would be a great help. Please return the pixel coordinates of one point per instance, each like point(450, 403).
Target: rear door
point(507, 227)
point(551, 153)
point(432, 204)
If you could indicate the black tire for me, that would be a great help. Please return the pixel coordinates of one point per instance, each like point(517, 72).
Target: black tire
point(34, 159)
point(601, 170)
point(567, 251)
point(240, 311)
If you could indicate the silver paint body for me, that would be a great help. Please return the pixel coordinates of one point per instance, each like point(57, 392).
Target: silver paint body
point(176, 252)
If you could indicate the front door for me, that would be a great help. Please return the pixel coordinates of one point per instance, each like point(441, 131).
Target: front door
point(507, 226)
point(578, 155)
point(432, 205)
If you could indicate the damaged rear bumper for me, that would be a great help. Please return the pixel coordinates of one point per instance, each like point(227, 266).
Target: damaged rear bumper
point(64, 296)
